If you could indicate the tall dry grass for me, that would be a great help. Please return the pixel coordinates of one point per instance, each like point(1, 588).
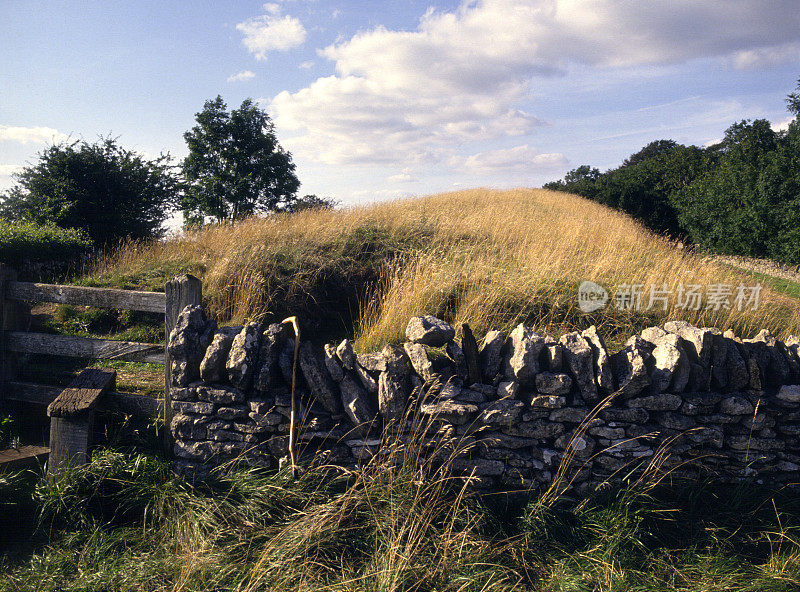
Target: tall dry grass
point(489, 258)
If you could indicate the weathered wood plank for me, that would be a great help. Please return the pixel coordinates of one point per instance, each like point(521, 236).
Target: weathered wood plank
point(80, 296)
point(15, 459)
point(83, 393)
point(129, 403)
point(70, 438)
point(181, 291)
point(83, 347)
point(7, 277)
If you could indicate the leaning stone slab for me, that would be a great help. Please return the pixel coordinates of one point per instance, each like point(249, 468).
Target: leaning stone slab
point(552, 357)
point(346, 354)
point(580, 362)
point(459, 361)
point(428, 330)
point(393, 391)
point(719, 359)
point(318, 379)
point(491, 354)
point(698, 342)
point(332, 363)
point(212, 368)
point(630, 368)
point(778, 369)
point(375, 362)
point(602, 364)
point(242, 358)
point(419, 360)
point(738, 373)
point(356, 403)
point(267, 372)
point(522, 361)
point(671, 368)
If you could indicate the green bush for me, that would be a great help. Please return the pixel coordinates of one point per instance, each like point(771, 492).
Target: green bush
point(26, 241)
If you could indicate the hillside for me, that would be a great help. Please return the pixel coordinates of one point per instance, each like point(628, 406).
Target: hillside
point(490, 258)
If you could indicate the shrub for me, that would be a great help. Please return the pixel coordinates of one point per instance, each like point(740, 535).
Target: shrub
point(27, 241)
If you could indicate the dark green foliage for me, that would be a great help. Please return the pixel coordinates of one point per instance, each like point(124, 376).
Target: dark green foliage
point(740, 196)
point(235, 167)
point(20, 241)
point(102, 188)
point(312, 202)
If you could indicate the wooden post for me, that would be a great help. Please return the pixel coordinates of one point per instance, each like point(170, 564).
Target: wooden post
point(72, 418)
point(7, 323)
point(181, 291)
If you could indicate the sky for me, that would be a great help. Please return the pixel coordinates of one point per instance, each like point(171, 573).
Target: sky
point(382, 100)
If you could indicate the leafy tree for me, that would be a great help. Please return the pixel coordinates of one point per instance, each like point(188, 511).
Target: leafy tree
point(109, 192)
point(652, 150)
point(235, 167)
point(312, 202)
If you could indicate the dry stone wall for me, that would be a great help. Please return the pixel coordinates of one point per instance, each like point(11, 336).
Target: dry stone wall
point(516, 411)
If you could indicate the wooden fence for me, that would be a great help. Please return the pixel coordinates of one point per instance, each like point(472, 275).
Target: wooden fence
point(179, 292)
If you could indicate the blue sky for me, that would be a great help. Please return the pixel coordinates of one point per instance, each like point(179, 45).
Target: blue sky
point(378, 100)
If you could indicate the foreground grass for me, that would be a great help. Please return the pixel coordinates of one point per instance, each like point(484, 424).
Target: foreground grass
point(125, 523)
point(489, 258)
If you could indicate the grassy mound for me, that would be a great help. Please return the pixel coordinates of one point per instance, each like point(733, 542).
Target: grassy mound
point(490, 258)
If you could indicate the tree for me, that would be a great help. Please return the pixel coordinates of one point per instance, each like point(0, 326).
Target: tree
point(110, 192)
point(235, 167)
point(312, 202)
point(652, 150)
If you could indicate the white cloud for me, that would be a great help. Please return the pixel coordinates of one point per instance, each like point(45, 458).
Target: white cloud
point(463, 76)
point(270, 32)
point(6, 170)
point(765, 57)
point(519, 159)
point(241, 76)
point(403, 177)
point(32, 135)
point(272, 8)
point(306, 65)
point(782, 126)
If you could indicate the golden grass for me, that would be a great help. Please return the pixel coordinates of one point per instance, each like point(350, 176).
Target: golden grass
point(486, 257)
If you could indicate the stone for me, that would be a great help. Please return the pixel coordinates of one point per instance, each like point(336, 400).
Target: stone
point(553, 384)
point(356, 402)
point(607, 432)
point(602, 363)
point(220, 394)
point(187, 407)
point(396, 358)
point(187, 427)
point(456, 355)
point(522, 361)
point(318, 379)
point(346, 354)
point(419, 360)
point(393, 391)
point(491, 354)
point(579, 360)
point(428, 330)
point(367, 381)
point(187, 344)
point(286, 362)
point(675, 421)
point(449, 410)
point(478, 466)
point(777, 366)
point(569, 415)
point(635, 415)
point(654, 334)
point(537, 430)
point(332, 363)
point(736, 405)
point(698, 343)
point(547, 402)
point(267, 375)
point(471, 355)
point(662, 402)
point(630, 368)
point(719, 358)
point(738, 374)
point(374, 362)
point(581, 446)
point(468, 395)
point(243, 356)
point(199, 451)
point(505, 412)
point(183, 394)
point(508, 389)
point(671, 368)
point(552, 357)
point(213, 364)
point(789, 393)
point(268, 419)
point(232, 412)
point(699, 377)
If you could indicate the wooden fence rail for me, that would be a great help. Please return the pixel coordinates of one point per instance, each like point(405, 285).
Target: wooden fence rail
point(179, 292)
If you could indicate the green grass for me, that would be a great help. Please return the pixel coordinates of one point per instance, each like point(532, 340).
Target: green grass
point(125, 522)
